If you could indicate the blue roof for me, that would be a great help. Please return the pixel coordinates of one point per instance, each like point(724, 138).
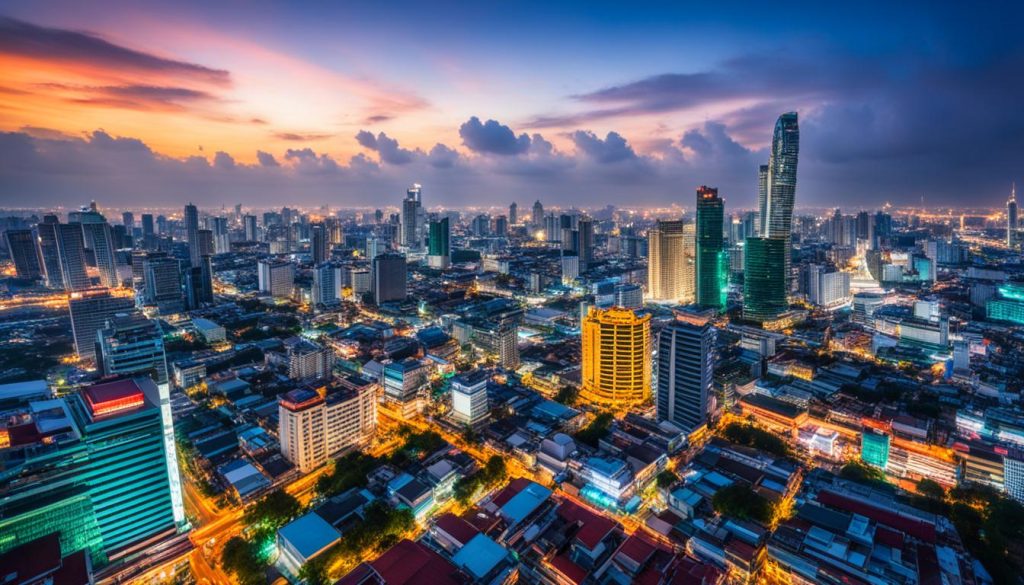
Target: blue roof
point(480, 556)
point(309, 535)
point(525, 502)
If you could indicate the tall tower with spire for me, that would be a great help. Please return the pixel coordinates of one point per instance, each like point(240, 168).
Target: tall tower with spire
point(1011, 218)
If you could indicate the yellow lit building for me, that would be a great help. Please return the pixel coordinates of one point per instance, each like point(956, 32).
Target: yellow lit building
point(616, 357)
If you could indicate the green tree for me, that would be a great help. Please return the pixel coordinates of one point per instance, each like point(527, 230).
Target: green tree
point(596, 430)
point(666, 479)
point(274, 510)
point(567, 395)
point(931, 489)
point(240, 559)
point(739, 501)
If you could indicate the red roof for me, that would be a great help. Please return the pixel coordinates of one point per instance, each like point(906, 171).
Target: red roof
point(915, 527)
point(690, 571)
point(593, 527)
point(637, 548)
point(411, 563)
point(568, 569)
point(110, 397)
point(889, 537)
point(508, 492)
point(457, 528)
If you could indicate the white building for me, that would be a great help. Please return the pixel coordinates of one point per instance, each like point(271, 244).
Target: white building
point(276, 278)
point(469, 398)
point(312, 428)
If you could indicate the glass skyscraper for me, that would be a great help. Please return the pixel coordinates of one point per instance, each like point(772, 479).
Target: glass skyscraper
point(777, 185)
point(686, 363)
point(764, 279)
point(439, 244)
point(712, 278)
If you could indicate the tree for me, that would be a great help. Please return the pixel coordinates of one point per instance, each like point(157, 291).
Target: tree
point(931, 489)
point(863, 473)
point(739, 501)
point(752, 436)
point(240, 559)
point(567, 395)
point(596, 430)
point(314, 572)
point(274, 510)
point(666, 479)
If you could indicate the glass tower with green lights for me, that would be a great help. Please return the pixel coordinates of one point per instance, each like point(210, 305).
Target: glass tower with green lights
point(764, 278)
point(1009, 306)
point(874, 448)
point(710, 248)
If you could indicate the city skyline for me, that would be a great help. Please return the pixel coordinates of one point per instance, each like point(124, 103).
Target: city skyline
point(169, 103)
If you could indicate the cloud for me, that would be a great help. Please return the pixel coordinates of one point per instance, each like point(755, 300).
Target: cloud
point(377, 119)
point(492, 137)
point(612, 149)
point(385, 147)
point(296, 137)
point(54, 44)
point(223, 160)
point(266, 159)
point(132, 97)
point(442, 157)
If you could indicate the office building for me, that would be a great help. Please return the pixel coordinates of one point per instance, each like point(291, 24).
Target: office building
point(764, 279)
point(827, 288)
point(469, 398)
point(162, 283)
point(249, 225)
point(439, 244)
point(199, 283)
point(389, 278)
point(686, 365)
point(192, 233)
point(670, 266)
point(71, 249)
point(276, 278)
point(128, 221)
point(513, 214)
point(21, 245)
point(570, 268)
point(585, 243)
point(326, 288)
point(95, 467)
point(131, 345)
point(320, 249)
point(500, 339)
point(89, 313)
point(218, 226)
point(616, 357)
point(712, 277)
point(777, 188)
point(411, 234)
point(315, 425)
point(538, 214)
point(49, 251)
point(629, 296)
point(99, 239)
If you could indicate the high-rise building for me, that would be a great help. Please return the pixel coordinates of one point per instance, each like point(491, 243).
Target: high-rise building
point(221, 237)
point(412, 217)
point(538, 214)
point(162, 283)
point(21, 245)
point(97, 468)
point(777, 189)
point(249, 223)
point(585, 243)
point(500, 226)
point(313, 426)
point(89, 313)
point(764, 279)
point(570, 268)
point(629, 296)
point(49, 251)
point(199, 283)
point(192, 233)
point(326, 284)
point(616, 357)
point(828, 288)
point(670, 251)
point(469, 398)
point(308, 360)
point(374, 247)
point(389, 278)
point(1011, 218)
point(131, 345)
point(711, 273)
point(439, 244)
point(319, 246)
point(98, 236)
point(71, 248)
point(128, 220)
point(276, 278)
point(513, 214)
point(686, 364)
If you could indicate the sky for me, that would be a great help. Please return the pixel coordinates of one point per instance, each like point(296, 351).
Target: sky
point(585, 104)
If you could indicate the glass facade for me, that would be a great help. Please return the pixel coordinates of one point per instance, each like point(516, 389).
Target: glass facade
point(764, 280)
point(874, 448)
point(685, 373)
point(777, 188)
point(710, 247)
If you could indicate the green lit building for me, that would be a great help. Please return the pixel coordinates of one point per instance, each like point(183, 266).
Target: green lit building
point(93, 466)
point(1009, 306)
point(764, 278)
point(439, 244)
point(874, 448)
point(711, 279)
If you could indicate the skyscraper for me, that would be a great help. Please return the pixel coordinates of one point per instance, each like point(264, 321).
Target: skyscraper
point(326, 284)
point(585, 243)
point(513, 213)
point(192, 233)
point(686, 363)
point(71, 248)
point(412, 210)
point(130, 344)
point(670, 261)
point(128, 220)
point(439, 244)
point(219, 227)
point(1011, 218)
point(199, 283)
point(389, 278)
point(616, 357)
point(98, 238)
point(777, 189)
point(21, 245)
point(162, 283)
point(276, 278)
point(764, 279)
point(538, 214)
point(251, 235)
point(89, 313)
point(104, 475)
point(319, 247)
point(49, 251)
point(711, 274)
